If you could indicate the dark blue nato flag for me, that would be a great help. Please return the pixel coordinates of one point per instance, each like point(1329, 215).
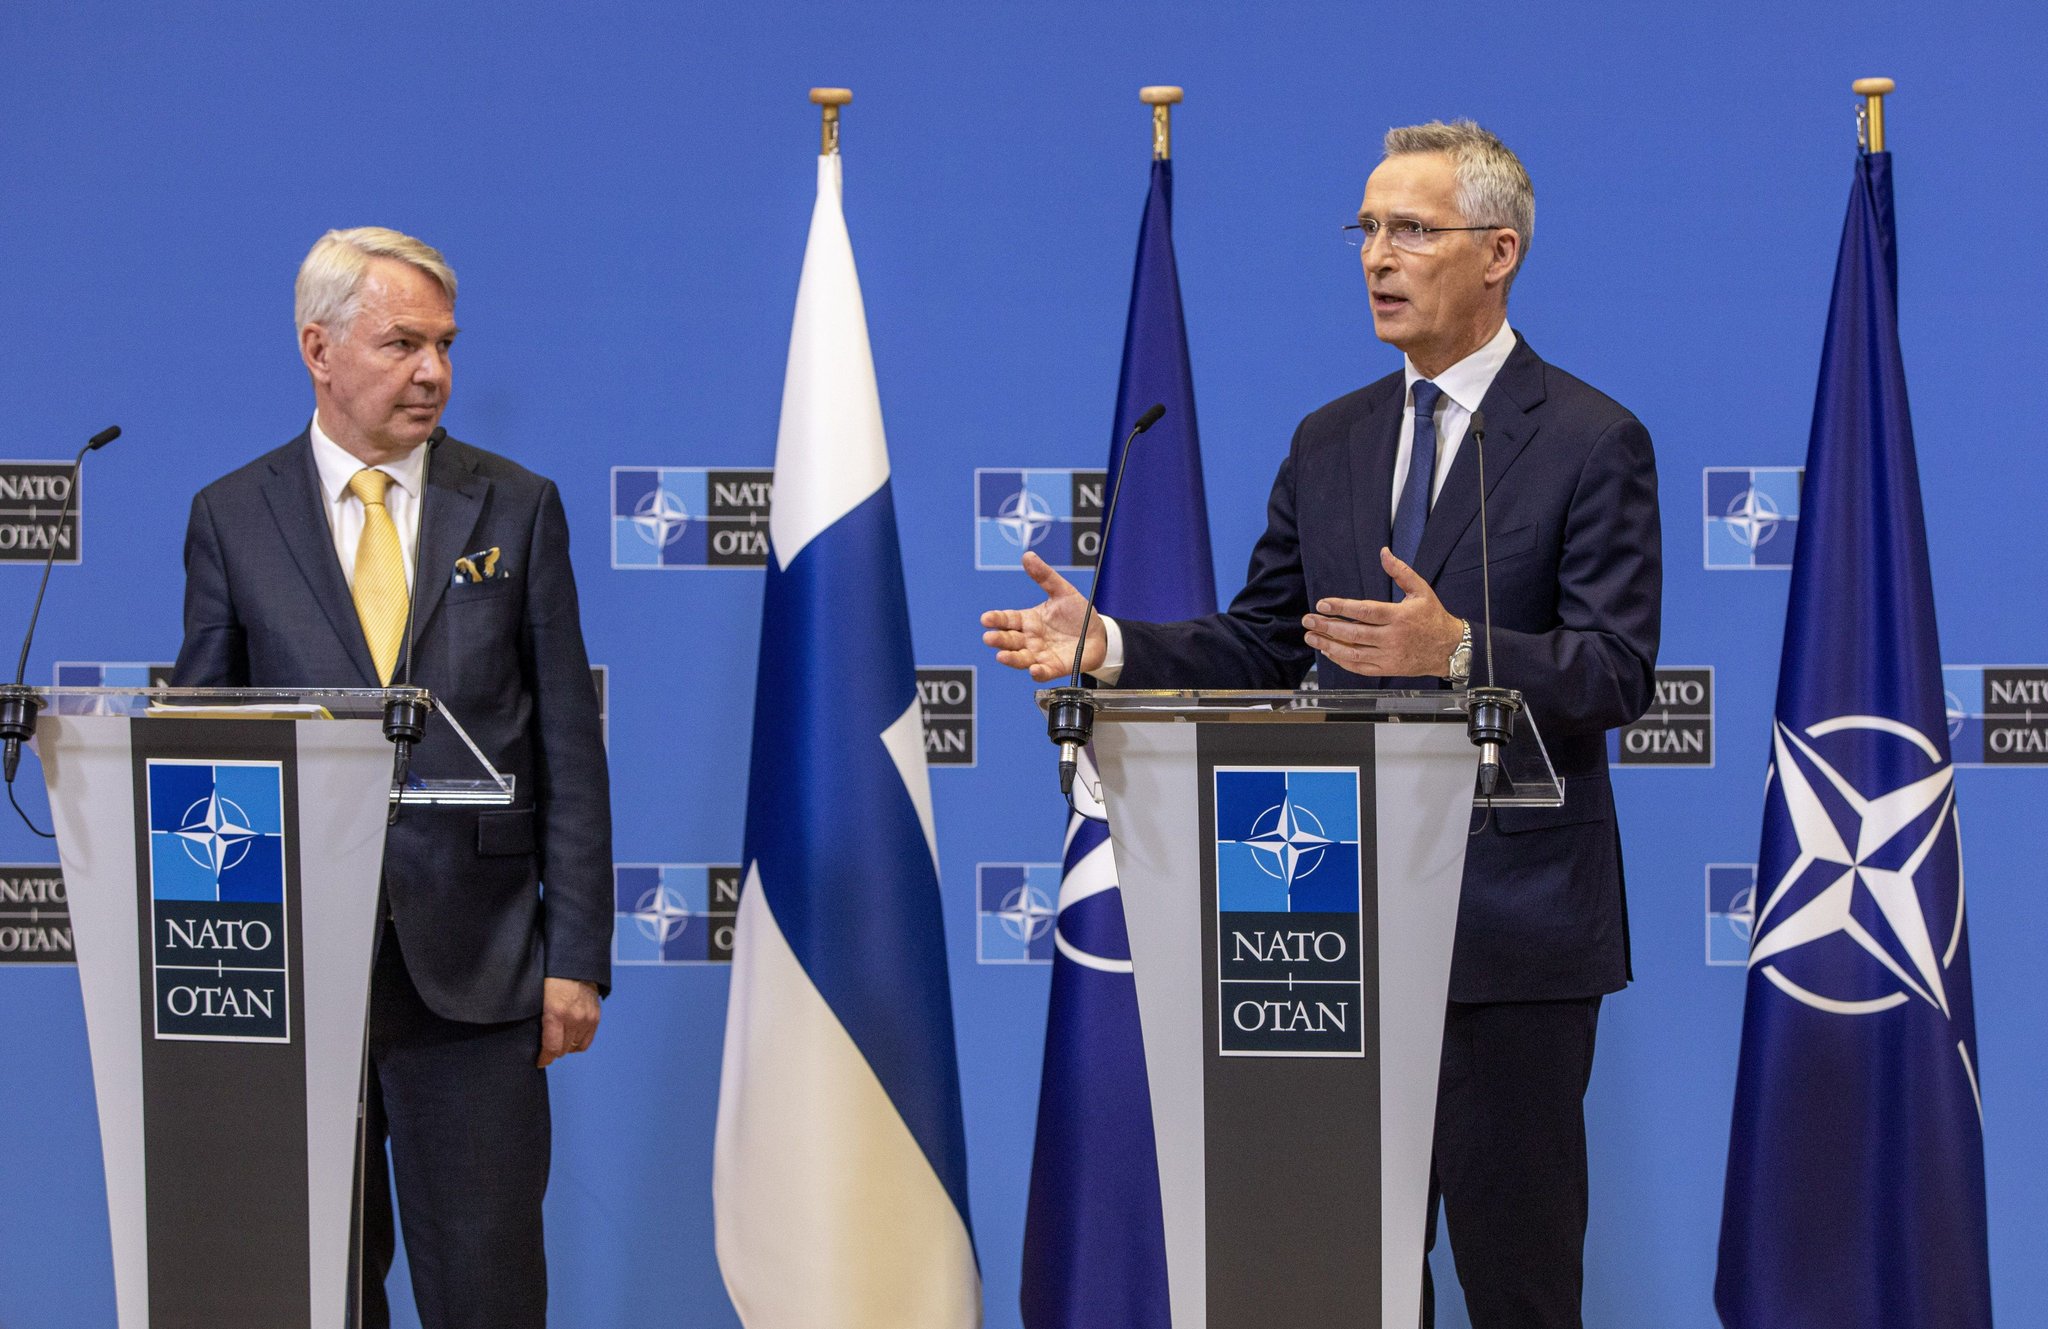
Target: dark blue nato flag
point(1855, 1191)
point(1094, 1244)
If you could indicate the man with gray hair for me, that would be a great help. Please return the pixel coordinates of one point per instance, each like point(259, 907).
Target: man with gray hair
point(370, 537)
point(1370, 567)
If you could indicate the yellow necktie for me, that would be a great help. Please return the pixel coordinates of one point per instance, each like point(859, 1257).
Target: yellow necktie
point(379, 588)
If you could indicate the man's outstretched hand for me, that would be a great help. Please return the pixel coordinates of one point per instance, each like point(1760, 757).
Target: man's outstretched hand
point(1412, 637)
point(1041, 639)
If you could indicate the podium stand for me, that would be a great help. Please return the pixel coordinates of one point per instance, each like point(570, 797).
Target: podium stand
point(1290, 866)
point(222, 866)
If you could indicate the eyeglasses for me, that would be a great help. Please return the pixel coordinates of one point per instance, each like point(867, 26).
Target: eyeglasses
point(1412, 236)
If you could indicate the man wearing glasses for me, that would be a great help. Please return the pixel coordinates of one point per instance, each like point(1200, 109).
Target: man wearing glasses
point(1370, 568)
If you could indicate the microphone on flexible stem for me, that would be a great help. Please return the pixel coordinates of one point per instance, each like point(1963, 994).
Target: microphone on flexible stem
point(19, 704)
point(405, 716)
point(1490, 710)
point(1070, 718)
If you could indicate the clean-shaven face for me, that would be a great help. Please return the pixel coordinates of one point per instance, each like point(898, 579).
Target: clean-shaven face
point(1433, 303)
point(388, 372)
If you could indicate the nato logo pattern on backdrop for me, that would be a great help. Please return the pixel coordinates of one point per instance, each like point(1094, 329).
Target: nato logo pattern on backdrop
point(33, 495)
point(690, 516)
point(104, 674)
point(1289, 891)
point(674, 913)
point(1751, 515)
point(1997, 714)
point(1731, 912)
point(1055, 513)
point(1678, 729)
point(35, 915)
point(217, 900)
point(1017, 907)
point(945, 694)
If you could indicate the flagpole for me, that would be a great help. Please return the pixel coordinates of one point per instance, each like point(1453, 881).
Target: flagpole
point(1162, 101)
point(829, 100)
point(1870, 115)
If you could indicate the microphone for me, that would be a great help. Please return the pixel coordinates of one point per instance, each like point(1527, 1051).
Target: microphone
point(1070, 719)
point(406, 715)
point(19, 704)
point(1490, 710)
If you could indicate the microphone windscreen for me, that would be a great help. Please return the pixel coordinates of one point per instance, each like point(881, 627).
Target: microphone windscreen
point(104, 437)
point(1150, 418)
point(1479, 423)
point(440, 435)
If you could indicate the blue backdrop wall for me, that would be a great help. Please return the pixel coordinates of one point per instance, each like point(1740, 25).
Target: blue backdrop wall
point(624, 190)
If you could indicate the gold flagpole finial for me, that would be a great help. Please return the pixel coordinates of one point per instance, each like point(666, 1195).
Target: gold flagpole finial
point(829, 101)
point(1870, 115)
point(1162, 101)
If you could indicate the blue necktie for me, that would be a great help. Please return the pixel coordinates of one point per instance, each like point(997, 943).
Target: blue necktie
point(1413, 511)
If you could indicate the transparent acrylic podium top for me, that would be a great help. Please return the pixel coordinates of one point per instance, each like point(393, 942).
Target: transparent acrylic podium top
point(488, 788)
point(1532, 780)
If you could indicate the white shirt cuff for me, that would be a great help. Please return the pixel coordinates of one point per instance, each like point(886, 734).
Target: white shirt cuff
point(1112, 666)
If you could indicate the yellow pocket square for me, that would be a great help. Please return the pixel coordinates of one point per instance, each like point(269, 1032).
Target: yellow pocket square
point(480, 566)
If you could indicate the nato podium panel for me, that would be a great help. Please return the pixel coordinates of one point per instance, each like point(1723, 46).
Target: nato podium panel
point(223, 875)
point(1290, 868)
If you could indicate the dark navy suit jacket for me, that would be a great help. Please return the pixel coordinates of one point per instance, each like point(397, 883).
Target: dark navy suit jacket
point(1577, 588)
point(266, 605)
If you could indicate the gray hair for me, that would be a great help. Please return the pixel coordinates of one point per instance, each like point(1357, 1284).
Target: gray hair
point(330, 286)
point(1493, 186)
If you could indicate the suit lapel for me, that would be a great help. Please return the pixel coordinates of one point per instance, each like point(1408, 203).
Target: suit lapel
point(1375, 438)
point(300, 511)
point(452, 505)
point(1510, 424)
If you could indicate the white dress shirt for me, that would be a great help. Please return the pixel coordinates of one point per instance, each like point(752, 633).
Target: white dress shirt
point(337, 466)
point(1464, 386)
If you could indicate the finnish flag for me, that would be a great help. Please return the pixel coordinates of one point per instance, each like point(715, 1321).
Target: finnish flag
point(840, 1172)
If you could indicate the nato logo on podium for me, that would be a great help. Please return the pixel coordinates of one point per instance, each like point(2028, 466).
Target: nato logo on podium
point(216, 893)
point(1289, 893)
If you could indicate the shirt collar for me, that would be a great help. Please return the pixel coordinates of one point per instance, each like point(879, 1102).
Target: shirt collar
point(1466, 382)
point(337, 465)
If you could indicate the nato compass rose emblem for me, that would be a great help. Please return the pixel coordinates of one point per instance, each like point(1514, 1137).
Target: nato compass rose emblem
point(216, 833)
point(1024, 518)
point(1850, 914)
point(660, 517)
point(661, 915)
point(1753, 518)
point(1287, 842)
point(1026, 914)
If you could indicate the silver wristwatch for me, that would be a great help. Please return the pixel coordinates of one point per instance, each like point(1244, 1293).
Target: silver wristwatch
point(1459, 671)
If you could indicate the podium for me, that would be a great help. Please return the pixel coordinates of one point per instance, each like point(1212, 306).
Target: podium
point(1290, 866)
point(222, 851)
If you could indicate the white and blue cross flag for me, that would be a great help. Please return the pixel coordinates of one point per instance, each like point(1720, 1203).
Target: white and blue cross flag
point(840, 1169)
point(1855, 1191)
point(1094, 1240)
